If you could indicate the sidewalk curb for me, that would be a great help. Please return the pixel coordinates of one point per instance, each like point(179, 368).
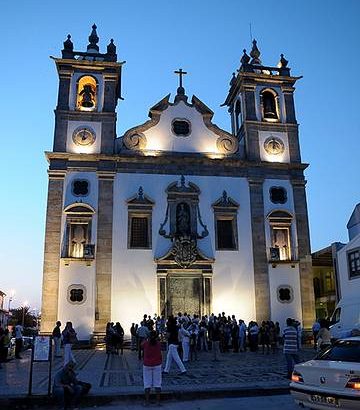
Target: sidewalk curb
point(29, 402)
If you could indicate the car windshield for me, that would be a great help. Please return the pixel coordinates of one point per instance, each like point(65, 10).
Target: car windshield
point(343, 350)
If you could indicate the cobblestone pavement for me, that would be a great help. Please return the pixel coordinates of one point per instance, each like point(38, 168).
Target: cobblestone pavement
point(118, 375)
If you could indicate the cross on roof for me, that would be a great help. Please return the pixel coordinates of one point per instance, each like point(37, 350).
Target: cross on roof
point(180, 72)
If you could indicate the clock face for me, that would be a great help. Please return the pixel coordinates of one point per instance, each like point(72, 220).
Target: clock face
point(84, 136)
point(274, 146)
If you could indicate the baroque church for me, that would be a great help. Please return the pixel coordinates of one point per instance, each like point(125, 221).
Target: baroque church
point(176, 215)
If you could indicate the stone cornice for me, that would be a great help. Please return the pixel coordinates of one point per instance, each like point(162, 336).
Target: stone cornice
point(86, 64)
point(157, 163)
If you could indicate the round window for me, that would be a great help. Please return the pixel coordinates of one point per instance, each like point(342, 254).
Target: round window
point(285, 294)
point(181, 127)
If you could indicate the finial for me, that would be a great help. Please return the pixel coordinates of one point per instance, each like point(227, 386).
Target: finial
point(245, 58)
point(224, 197)
point(93, 40)
point(233, 79)
point(111, 51)
point(68, 44)
point(255, 54)
point(67, 51)
point(283, 61)
point(182, 181)
point(141, 193)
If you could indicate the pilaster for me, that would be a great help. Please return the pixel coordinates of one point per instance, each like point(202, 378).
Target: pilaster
point(50, 287)
point(305, 264)
point(261, 276)
point(104, 251)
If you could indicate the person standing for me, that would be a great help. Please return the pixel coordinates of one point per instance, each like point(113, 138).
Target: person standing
point(173, 344)
point(142, 334)
point(323, 337)
point(56, 334)
point(18, 340)
point(315, 331)
point(152, 367)
point(291, 346)
point(133, 337)
point(69, 338)
point(185, 341)
point(214, 336)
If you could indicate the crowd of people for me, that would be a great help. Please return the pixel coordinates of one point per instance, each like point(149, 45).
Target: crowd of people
point(183, 336)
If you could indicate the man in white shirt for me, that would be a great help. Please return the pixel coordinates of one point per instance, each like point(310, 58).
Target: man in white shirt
point(18, 340)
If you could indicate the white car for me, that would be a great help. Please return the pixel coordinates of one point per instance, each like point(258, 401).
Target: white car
point(331, 380)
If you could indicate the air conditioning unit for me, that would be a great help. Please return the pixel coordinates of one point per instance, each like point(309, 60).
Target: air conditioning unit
point(89, 251)
point(275, 254)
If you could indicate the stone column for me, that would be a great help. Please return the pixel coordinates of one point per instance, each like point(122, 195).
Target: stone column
point(104, 251)
point(261, 275)
point(304, 254)
point(50, 286)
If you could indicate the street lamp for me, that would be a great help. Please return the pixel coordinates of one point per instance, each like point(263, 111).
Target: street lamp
point(11, 296)
point(25, 304)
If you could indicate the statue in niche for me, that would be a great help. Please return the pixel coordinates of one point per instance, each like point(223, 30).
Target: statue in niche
point(78, 241)
point(280, 242)
point(87, 96)
point(183, 220)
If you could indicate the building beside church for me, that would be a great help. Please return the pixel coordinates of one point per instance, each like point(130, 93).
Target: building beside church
point(176, 214)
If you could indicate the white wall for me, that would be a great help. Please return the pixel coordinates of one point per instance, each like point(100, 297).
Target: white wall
point(349, 288)
point(134, 286)
point(285, 275)
point(201, 139)
point(77, 272)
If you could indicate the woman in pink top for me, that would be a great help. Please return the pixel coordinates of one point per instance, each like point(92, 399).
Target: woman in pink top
point(152, 367)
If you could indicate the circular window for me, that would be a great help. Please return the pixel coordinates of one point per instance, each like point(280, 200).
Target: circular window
point(80, 187)
point(278, 195)
point(274, 146)
point(181, 127)
point(76, 294)
point(285, 294)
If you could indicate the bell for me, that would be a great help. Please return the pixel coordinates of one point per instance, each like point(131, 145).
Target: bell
point(87, 95)
point(269, 106)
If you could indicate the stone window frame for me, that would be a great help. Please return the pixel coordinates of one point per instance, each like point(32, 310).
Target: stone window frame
point(357, 273)
point(78, 213)
point(285, 195)
point(291, 293)
point(225, 208)
point(76, 286)
point(141, 206)
point(181, 135)
point(277, 105)
point(281, 219)
point(80, 179)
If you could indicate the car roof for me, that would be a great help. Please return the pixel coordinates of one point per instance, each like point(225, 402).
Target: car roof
point(354, 338)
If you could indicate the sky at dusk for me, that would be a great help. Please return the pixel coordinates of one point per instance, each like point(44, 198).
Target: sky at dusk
point(204, 37)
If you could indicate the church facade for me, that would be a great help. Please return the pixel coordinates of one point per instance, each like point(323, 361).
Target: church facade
point(176, 215)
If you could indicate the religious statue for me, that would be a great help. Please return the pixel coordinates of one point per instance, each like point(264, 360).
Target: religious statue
point(281, 242)
point(183, 219)
point(87, 95)
point(78, 241)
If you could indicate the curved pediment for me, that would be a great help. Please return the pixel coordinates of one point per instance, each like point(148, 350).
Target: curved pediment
point(180, 127)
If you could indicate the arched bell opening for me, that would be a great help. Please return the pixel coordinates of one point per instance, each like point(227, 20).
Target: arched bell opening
point(87, 93)
point(270, 105)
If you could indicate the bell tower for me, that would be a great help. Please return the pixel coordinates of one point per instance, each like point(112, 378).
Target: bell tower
point(89, 88)
point(78, 236)
point(261, 105)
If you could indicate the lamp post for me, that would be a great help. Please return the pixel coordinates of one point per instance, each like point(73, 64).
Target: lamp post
point(11, 295)
point(23, 312)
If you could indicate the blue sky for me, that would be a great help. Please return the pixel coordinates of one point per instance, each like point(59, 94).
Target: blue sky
point(205, 37)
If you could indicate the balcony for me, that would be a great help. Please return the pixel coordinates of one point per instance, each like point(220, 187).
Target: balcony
point(86, 254)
